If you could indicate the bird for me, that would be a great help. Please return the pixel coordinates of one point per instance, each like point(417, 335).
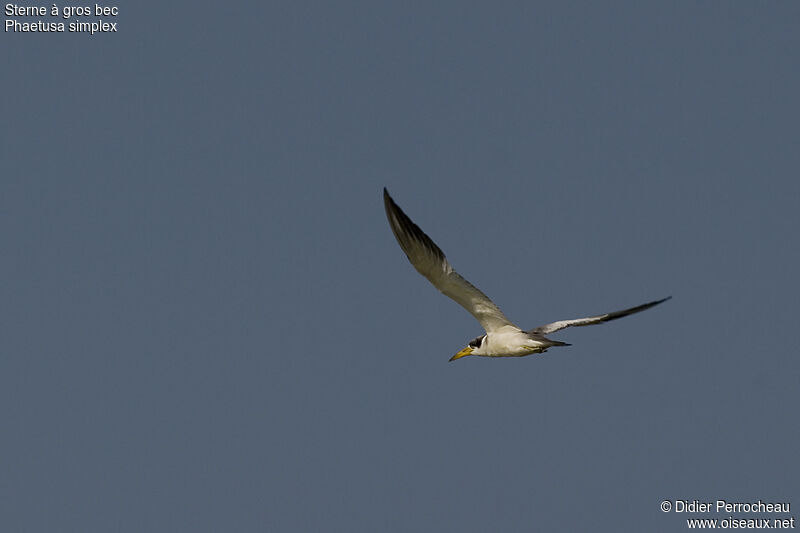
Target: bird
point(503, 338)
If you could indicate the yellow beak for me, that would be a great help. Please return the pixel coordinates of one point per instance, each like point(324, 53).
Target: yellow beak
point(466, 351)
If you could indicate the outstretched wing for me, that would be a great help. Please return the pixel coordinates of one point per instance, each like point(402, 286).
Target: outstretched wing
point(561, 324)
point(429, 260)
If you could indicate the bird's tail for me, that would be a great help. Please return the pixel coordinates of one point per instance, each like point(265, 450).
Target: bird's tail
point(548, 343)
point(557, 343)
point(545, 343)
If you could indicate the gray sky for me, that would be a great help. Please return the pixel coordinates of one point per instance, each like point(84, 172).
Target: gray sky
point(208, 326)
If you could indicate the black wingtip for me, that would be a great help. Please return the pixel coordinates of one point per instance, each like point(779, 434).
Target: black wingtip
point(645, 306)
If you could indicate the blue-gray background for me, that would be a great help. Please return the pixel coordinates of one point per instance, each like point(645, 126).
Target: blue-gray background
point(208, 326)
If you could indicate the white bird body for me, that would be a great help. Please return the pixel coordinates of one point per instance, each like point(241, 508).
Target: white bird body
point(510, 341)
point(503, 338)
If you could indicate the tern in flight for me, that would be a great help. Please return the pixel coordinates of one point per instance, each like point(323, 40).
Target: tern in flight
point(503, 338)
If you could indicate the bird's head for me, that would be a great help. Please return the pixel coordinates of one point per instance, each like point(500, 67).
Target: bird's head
point(474, 348)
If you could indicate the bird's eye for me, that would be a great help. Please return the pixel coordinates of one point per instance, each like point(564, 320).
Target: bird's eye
point(476, 342)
